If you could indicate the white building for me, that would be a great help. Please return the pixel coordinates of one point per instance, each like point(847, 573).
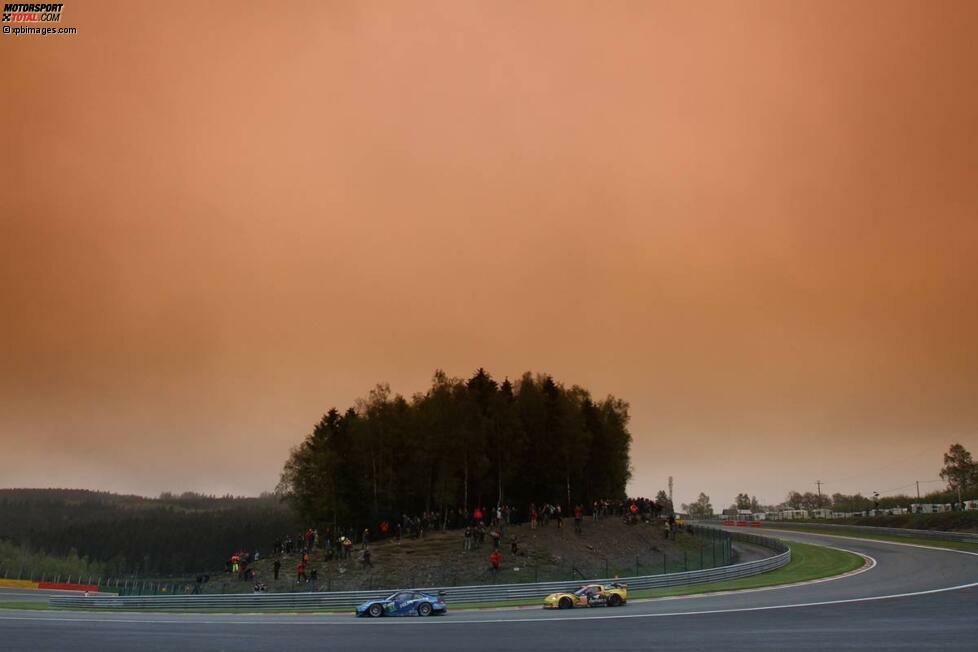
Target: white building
point(929, 508)
point(792, 514)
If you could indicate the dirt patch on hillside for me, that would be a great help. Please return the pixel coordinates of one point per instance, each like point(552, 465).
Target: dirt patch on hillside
point(605, 548)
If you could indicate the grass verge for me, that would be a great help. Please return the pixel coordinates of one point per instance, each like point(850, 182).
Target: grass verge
point(33, 605)
point(808, 562)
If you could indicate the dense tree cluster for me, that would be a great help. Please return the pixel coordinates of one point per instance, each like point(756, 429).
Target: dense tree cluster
point(461, 443)
point(960, 471)
point(701, 509)
point(123, 535)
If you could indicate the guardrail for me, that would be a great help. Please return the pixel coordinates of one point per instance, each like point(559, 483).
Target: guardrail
point(456, 594)
point(937, 535)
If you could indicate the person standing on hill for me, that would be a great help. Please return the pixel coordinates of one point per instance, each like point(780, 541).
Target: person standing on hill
point(300, 573)
point(276, 567)
point(495, 558)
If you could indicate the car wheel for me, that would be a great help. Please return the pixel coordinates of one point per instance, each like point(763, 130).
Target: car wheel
point(565, 603)
point(424, 609)
point(614, 600)
point(375, 611)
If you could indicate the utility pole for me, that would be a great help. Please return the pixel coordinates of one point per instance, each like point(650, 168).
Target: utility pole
point(670, 494)
point(918, 489)
point(818, 483)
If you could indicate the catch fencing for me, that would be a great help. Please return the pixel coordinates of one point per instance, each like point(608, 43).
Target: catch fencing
point(339, 600)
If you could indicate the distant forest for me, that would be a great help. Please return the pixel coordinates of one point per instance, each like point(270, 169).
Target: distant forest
point(113, 535)
point(462, 443)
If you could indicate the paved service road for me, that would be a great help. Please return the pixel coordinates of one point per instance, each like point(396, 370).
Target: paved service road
point(913, 598)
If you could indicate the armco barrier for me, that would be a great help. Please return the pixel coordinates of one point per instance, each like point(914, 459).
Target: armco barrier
point(938, 535)
point(455, 594)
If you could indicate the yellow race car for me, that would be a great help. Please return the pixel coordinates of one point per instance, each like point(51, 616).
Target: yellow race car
point(591, 595)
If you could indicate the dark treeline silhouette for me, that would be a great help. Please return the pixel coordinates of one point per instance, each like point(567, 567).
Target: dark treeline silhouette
point(461, 444)
point(170, 535)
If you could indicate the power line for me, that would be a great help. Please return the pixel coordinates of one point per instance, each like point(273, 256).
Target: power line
point(888, 465)
point(906, 486)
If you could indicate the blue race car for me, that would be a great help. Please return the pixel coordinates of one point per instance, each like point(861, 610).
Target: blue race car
point(403, 603)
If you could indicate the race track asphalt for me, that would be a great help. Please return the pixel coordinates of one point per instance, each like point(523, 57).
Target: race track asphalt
point(913, 598)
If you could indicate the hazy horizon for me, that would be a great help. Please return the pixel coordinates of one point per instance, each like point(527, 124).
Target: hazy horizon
point(753, 223)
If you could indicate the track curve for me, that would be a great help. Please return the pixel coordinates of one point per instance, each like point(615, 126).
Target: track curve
point(912, 598)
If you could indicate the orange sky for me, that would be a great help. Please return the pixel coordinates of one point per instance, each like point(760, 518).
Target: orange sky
point(755, 221)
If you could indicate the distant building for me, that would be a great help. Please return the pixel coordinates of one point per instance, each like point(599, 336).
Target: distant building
point(929, 508)
point(793, 514)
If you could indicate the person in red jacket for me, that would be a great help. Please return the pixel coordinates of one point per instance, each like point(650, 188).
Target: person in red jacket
point(300, 573)
point(495, 558)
